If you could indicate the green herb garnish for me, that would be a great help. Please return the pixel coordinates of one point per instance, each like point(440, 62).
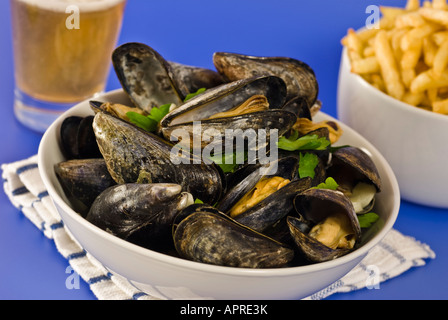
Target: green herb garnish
point(142, 121)
point(308, 142)
point(157, 114)
point(151, 121)
point(329, 183)
point(307, 165)
point(229, 162)
point(366, 220)
point(194, 94)
point(198, 201)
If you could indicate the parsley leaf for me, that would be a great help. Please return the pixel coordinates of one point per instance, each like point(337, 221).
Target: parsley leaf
point(151, 121)
point(307, 165)
point(228, 162)
point(198, 201)
point(142, 121)
point(157, 114)
point(366, 220)
point(194, 94)
point(329, 183)
point(308, 142)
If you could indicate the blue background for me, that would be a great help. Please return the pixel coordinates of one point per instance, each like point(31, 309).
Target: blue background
point(190, 32)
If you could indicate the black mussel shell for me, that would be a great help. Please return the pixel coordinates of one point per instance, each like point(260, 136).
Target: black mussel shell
point(146, 76)
point(274, 208)
point(214, 238)
point(313, 250)
point(195, 78)
point(299, 77)
point(140, 213)
point(134, 155)
point(196, 113)
point(77, 138)
point(313, 206)
point(83, 180)
point(250, 175)
point(299, 106)
point(353, 165)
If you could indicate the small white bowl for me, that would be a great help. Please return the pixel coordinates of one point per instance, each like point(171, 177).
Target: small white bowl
point(145, 268)
point(413, 140)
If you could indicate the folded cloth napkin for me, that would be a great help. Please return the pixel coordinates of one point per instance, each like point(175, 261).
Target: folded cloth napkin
point(26, 191)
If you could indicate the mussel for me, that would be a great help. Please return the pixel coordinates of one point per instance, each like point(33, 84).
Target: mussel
point(133, 155)
point(305, 126)
point(326, 227)
point(151, 81)
point(83, 180)
point(78, 139)
point(195, 78)
point(299, 106)
point(265, 196)
point(146, 76)
point(300, 79)
point(357, 176)
point(140, 213)
point(214, 238)
point(272, 210)
point(116, 109)
point(240, 107)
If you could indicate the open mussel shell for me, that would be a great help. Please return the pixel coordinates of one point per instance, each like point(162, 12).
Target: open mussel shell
point(357, 175)
point(116, 109)
point(274, 207)
point(83, 180)
point(240, 182)
point(323, 155)
point(134, 155)
point(214, 238)
point(313, 207)
point(202, 109)
point(146, 76)
point(249, 175)
point(300, 79)
point(357, 163)
point(299, 106)
point(313, 250)
point(78, 139)
point(140, 213)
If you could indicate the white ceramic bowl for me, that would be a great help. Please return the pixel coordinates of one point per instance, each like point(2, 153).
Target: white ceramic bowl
point(146, 268)
point(413, 141)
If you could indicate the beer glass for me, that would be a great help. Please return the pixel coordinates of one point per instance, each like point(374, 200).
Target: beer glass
point(62, 54)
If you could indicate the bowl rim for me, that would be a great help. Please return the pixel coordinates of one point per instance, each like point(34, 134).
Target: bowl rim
point(214, 269)
point(405, 107)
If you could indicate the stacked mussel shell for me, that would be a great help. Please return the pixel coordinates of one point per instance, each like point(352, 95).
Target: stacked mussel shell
point(130, 183)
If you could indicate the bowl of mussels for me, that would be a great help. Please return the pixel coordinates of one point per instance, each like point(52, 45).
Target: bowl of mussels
point(227, 183)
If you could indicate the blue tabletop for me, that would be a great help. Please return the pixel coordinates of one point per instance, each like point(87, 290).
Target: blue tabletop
point(190, 32)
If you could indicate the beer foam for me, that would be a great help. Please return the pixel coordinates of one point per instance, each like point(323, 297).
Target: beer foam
point(83, 5)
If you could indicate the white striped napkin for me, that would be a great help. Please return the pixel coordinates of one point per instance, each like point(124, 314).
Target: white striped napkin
point(26, 191)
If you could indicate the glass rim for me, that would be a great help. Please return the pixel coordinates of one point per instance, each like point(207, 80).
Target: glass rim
point(63, 5)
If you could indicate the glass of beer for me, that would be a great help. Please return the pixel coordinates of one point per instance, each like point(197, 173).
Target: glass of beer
point(62, 54)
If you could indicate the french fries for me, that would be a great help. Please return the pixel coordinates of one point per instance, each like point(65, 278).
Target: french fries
point(407, 55)
point(389, 69)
